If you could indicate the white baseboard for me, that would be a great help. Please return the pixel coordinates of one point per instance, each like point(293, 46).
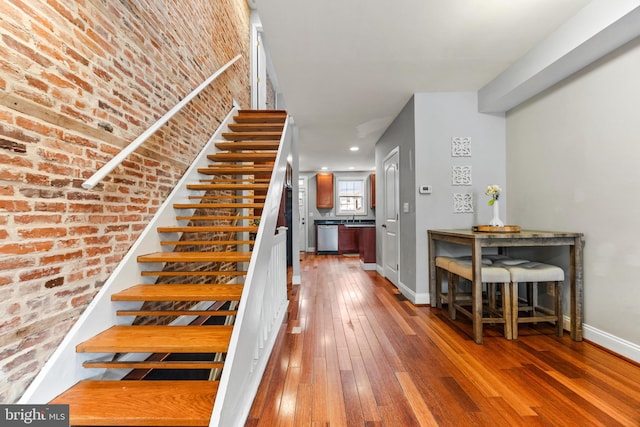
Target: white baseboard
point(411, 295)
point(610, 342)
point(380, 270)
point(368, 265)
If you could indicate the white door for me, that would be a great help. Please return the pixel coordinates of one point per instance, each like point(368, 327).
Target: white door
point(302, 206)
point(390, 226)
point(258, 69)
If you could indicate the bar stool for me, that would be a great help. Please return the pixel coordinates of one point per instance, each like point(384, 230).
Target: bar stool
point(532, 273)
point(490, 275)
point(442, 269)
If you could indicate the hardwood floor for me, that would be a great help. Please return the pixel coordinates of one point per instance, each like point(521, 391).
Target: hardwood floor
point(355, 352)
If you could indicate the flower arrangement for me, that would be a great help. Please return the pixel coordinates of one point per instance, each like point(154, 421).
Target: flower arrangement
point(493, 191)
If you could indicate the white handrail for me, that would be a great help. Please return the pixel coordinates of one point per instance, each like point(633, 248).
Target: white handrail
point(116, 160)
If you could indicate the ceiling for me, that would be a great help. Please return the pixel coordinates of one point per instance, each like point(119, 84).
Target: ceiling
point(345, 68)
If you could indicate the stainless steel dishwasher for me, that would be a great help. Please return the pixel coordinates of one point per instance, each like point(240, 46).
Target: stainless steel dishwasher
point(327, 236)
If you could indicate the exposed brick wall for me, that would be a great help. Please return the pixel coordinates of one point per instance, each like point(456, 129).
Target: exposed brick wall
point(80, 80)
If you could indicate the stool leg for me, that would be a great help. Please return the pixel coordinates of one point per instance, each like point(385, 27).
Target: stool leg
point(506, 311)
point(514, 310)
point(438, 287)
point(451, 294)
point(558, 309)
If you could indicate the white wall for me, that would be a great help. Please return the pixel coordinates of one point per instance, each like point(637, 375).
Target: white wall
point(573, 158)
point(441, 116)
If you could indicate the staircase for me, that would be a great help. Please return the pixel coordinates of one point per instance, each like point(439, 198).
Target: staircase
point(196, 276)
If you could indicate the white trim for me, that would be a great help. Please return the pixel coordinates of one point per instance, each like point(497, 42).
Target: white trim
point(368, 265)
point(596, 30)
point(411, 295)
point(609, 341)
point(296, 280)
point(384, 201)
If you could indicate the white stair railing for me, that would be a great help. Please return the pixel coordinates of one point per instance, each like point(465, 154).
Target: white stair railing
point(261, 310)
point(133, 146)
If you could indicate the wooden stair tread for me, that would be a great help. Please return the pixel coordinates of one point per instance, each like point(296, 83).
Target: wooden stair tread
point(255, 127)
point(228, 186)
point(248, 145)
point(217, 205)
point(148, 273)
point(210, 229)
point(248, 180)
point(257, 135)
point(236, 170)
point(196, 257)
point(229, 197)
point(159, 339)
point(140, 403)
point(179, 292)
point(250, 111)
point(206, 313)
point(153, 364)
point(226, 156)
point(207, 242)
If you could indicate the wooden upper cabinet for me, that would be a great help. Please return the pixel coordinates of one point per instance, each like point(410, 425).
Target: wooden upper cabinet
point(372, 189)
point(324, 191)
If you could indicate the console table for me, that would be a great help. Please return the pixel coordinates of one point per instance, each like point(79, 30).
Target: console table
point(479, 240)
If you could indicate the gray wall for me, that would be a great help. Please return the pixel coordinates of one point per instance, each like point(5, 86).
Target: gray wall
point(573, 158)
point(315, 213)
point(423, 130)
point(440, 117)
point(401, 133)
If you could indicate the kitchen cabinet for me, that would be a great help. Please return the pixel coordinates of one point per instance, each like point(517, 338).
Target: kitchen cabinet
point(372, 190)
point(348, 239)
point(324, 191)
point(367, 245)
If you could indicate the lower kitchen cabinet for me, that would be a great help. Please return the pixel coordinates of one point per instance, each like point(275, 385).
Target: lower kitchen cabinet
point(347, 239)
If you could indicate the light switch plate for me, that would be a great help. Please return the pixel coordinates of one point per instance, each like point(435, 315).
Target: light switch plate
point(425, 189)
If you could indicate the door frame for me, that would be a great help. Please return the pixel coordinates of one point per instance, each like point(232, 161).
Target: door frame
point(258, 60)
point(392, 153)
point(304, 216)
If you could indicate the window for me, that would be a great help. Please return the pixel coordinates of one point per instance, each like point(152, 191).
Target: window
point(351, 196)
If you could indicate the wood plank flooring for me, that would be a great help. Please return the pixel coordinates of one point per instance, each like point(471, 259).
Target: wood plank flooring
point(354, 352)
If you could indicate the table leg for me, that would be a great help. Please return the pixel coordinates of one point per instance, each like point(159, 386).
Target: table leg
point(476, 291)
point(432, 272)
point(576, 288)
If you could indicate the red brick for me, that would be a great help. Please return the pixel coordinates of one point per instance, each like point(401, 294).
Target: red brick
point(39, 274)
point(61, 257)
point(36, 219)
point(14, 206)
point(26, 51)
point(83, 230)
point(22, 262)
point(38, 233)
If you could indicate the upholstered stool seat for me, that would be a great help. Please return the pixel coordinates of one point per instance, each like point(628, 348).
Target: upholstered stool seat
point(442, 267)
point(532, 273)
point(489, 275)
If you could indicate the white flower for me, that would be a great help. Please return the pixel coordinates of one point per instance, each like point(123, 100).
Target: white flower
point(493, 191)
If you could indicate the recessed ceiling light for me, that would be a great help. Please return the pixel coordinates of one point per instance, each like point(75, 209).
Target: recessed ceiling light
point(351, 168)
point(354, 148)
point(324, 168)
